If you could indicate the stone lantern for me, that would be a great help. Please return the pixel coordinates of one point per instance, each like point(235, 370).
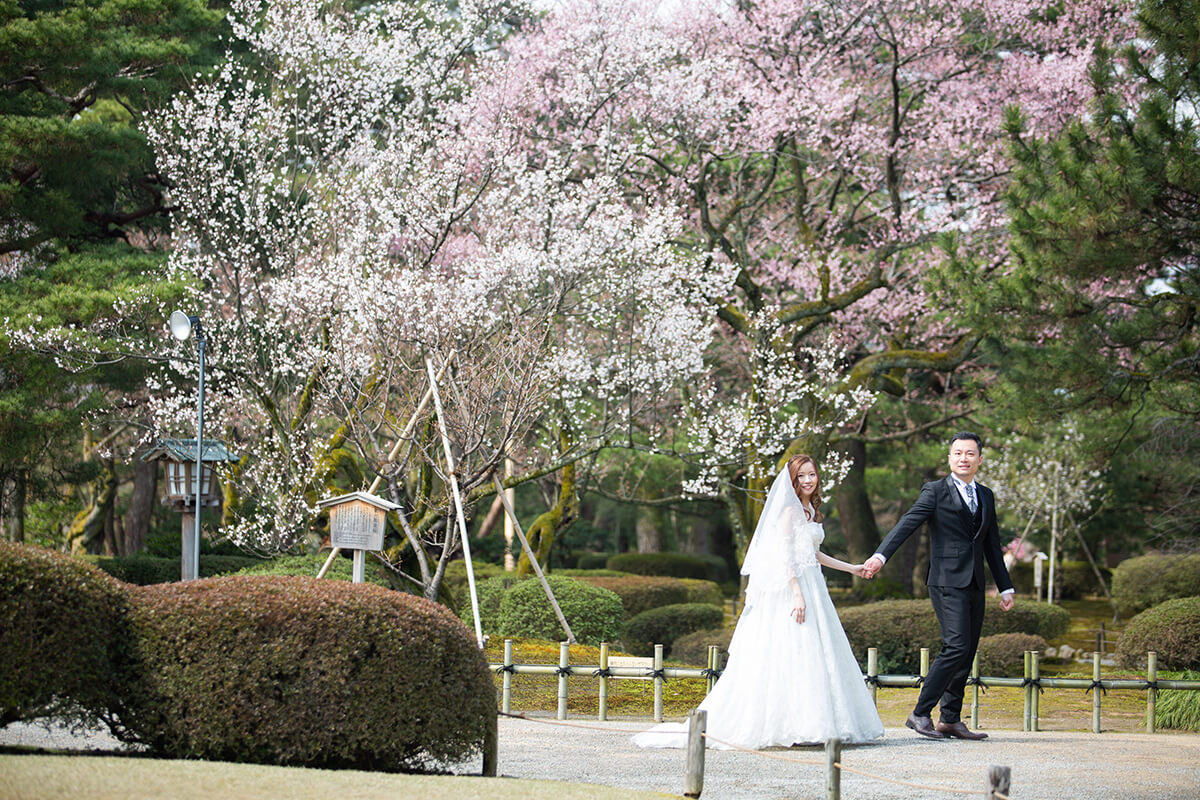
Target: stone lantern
point(181, 460)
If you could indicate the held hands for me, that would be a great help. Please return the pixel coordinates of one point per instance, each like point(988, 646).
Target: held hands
point(871, 567)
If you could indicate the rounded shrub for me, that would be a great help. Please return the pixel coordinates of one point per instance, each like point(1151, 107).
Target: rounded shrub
point(307, 566)
point(299, 671)
point(594, 614)
point(592, 560)
point(146, 570)
point(671, 565)
point(1038, 619)
point(666, 624)
point(1002, 655)
point(455, 584)
point(490, 592)
point(640, 593)
point(898, 628)
point(692, 648)
point(1145, 581)
point(62, 635)
point(703, 592)
point(1171, 629)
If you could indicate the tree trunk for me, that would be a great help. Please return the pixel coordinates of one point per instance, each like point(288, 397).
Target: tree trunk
point(16, 524)
point(86, 533)
point(853, 504)
point(141, 507)
point(649, 530)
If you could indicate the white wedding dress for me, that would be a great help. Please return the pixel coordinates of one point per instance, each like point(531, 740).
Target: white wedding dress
point(786, 682)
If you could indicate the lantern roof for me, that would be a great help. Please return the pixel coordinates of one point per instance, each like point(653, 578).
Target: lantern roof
point(371, 499)
point(184, 450)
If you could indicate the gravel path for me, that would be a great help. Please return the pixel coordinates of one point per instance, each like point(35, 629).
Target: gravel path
point(1045, 766)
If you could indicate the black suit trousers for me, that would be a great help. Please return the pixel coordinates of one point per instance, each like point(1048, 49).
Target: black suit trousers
point(960, 613)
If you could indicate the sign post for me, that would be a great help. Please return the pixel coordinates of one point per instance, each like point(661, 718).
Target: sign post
point(357, 522)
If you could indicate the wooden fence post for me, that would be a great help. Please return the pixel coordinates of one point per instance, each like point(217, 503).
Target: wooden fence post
point(602, 714)
point(694, 782)
point(714, 655)
point(1096, 691)
point(1025, 714)
point(924, 663)
point(975, 693)
point(658, 683)
point(491, 738)
point(564, 660)
point(1151, 691)
point(833, 770)
point(506, 679)
point(1034, 660)
point(873, 672)
point(999, 782)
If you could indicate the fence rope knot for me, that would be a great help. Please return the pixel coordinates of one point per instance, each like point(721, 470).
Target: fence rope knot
point(1150, 684)
point(1034, 682)
point(604, 672)
point(562, 671)
point(657, 673)
point(872, 680)
point(1097, 685)
point(709, 672)
point(511, 669)
point(975, 680)
point(920, 681)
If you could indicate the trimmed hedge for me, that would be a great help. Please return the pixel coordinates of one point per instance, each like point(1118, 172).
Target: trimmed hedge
point(1145, 581)
point(146, 570)
point(62, 635)
point(1002, 655)
point(454, 580)
point(594, 614)
point(592, 560)
point(667, 624)
point(342, 569)
point(490, 592)
point(703, 592)
point(640, 593)
point(671, 565)
point(692, 648)
point(1073, 579)
point(297, 671)
point(1037, 619)
point(1171, 629)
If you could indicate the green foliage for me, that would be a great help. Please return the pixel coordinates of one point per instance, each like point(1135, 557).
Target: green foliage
point(1145, 581)
point(592, 560)
point(1177, 709)
point(692, 648)
point(289, 670)
point(1074, 579)
point(594, 614)
point(640, 593)
point(489, 593)
point(666, 624)
point(144, 570)
point(703, 592)
point(1171, 629)
point(1002, 655)
point(62, 635)
point(1038, 619)
point(898, 628)
point(455, 584)
point(307, 566)
point(881, 587)
point(674, 565)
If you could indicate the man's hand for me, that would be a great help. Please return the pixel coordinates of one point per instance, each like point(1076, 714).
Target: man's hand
point(870, 567)
point(1007, 601)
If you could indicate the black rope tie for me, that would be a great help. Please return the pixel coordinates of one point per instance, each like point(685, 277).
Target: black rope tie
point(562, 671)
point(975, 680)
point(1097, 685)
point(511, 669)
point(605, 672)
point(873, 680)
point(920, 681)
point(1150, 685)
point(709, 672)
point(1036, 682)
point(657, 673)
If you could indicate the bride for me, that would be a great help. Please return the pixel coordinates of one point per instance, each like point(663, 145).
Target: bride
point(792, 677)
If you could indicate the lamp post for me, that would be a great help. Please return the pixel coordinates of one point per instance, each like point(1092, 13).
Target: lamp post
point(182, 326)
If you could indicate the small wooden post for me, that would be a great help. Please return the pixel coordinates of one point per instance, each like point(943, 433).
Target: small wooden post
point(975, 693)
point(694, 782)
point(1103, 638)
point(1096, 691)
point(833, 770)
point(491, 739)
point(999, 782)
point(924, 662)
point(714, 654)
point(658, 683)
point(602, 714)
point(506, 679)
point(1033, 690)
point(1151, 692)
point(1026, 711)
point(564, 660)
point(873, 672)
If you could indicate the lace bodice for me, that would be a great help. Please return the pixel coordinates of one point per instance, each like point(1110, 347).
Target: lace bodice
point(805, 539)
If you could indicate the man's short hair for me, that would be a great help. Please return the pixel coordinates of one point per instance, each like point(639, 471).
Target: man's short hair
point(974, 437)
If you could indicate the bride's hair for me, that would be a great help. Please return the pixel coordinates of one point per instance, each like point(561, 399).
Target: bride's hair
point(794, 464)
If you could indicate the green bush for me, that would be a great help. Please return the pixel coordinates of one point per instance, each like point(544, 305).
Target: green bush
point(1178, 709)
point(692, 648)
point(1073, 579)
point(62, 635)
point(299, 671)
point(342, 569)
point(640, 593)
point(1145, 581)
point(898, 628)
point(671, 565)
point(1002, 655)
point(145, 570)
point(594, 614)
point(882, 587)
point(592, 560)
point(1171, 629)
point(490, 592)
point(666, 624)
point(1037, 619)
point(591, 573)
point(703, 592)
point(454, 581)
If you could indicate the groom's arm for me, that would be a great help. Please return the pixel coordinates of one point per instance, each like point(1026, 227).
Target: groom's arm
point(913, 518)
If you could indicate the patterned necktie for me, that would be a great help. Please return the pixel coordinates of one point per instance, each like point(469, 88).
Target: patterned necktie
point(971, 497)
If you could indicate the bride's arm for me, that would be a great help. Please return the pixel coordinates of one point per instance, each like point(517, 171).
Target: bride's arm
point(836, 563)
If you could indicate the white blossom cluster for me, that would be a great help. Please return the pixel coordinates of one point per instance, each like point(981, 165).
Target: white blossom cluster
point(1035, 474)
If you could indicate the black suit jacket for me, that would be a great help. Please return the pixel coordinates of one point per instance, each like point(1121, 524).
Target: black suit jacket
point(957, 548)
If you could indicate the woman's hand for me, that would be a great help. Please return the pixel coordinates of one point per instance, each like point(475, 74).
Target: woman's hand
point(798, 610)
point(858, 571)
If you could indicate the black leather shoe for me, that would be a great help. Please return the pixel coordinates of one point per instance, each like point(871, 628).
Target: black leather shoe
point(923, 726)
point(958, 730)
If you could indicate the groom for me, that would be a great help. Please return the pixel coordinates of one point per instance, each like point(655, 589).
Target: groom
point(962, 533)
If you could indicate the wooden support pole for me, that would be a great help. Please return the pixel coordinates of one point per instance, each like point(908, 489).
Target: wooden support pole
point(924, 662)
point(359, 569)
point(1034, 662)
point(1151, 692)
point(658, 683)
point(999, 783)
point(506, 679)
point(975, 693)
point(491, 742)
point(833, 769)
point(603, 712)
point(564, 660)
point(873, 672)
point(1096, 692)
point(533, 562)
point(714, 654)
point(693, 784)
point(1026, 712)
